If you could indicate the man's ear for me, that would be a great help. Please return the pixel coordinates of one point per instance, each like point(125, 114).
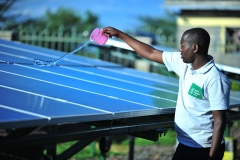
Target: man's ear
point(195, 48)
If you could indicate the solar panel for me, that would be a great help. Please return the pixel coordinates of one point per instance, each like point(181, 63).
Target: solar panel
point(77, 87)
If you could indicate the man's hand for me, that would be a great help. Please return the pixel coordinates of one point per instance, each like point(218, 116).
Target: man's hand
point(110, 31)
point(143, 49)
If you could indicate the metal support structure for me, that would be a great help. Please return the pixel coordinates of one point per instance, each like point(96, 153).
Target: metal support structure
point(131, 148)
point(17, 142)
point(74, 149)
point(37, 140)
point(20, 132)
point(104, 146)
point(51, 148)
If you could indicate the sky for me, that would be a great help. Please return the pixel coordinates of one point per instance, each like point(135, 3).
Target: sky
point(121, 14)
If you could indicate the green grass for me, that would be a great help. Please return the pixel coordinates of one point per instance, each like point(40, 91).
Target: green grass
point(118, 147)
point(167, 140)
point(235, 85)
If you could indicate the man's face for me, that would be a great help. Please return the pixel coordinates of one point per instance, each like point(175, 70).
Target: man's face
point(187, 50)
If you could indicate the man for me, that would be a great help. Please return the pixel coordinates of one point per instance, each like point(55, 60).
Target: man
point(203, 98)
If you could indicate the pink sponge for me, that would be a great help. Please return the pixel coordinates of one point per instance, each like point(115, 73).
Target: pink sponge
point(98, 37)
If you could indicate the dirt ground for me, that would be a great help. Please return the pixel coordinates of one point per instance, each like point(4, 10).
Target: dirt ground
point(235, 134)
point(151, 152)
point(156, 152)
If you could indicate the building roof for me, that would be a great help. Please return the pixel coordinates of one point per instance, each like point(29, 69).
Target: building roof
point(228, 5)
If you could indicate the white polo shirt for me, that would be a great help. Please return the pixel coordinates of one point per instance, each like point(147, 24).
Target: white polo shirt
point(200, 92)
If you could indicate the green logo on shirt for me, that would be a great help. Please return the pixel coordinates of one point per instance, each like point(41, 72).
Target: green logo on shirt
point(195, 91)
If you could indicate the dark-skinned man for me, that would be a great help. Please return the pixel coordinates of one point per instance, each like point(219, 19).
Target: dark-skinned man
point(203, 96)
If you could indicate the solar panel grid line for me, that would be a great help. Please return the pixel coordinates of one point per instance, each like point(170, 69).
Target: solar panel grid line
point(117, 79)
point(44, 70)
point(84, 90)
point(25, 112)
point(118, 115)
point(26, 120)
point(30, 51)
point(78, 116)
point(149, 105)
point(50, 82)
point(137, 76)
point(27, 58)
point(102, 76)
point(99, 83)
point(144, 112)
point(52, 56)
point(73, 69)
point(48, 71)
point(125, 73)
point(54, 98)
point(13, 55)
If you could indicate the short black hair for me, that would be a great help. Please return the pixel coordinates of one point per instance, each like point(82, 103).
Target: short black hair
point(198, 36)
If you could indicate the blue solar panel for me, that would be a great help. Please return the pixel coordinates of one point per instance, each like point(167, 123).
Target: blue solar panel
point(77, 89)
point(10, 117)
point(27, 53)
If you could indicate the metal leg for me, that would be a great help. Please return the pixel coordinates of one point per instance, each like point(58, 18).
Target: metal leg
point(131, 147)
point(75, 148)
point(105, 145)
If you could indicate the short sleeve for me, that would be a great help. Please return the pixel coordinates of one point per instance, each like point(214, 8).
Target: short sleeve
point(172, 61)
point(218, 94)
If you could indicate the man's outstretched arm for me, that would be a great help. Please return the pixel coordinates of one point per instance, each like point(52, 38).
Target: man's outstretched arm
point(141, 48)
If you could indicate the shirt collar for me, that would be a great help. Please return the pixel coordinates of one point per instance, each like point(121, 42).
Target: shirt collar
point(204, 69)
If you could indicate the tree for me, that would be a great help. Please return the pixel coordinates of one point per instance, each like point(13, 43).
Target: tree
point(64, 18)
point(67, 19)
point(5, 6)
point(157, 27)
